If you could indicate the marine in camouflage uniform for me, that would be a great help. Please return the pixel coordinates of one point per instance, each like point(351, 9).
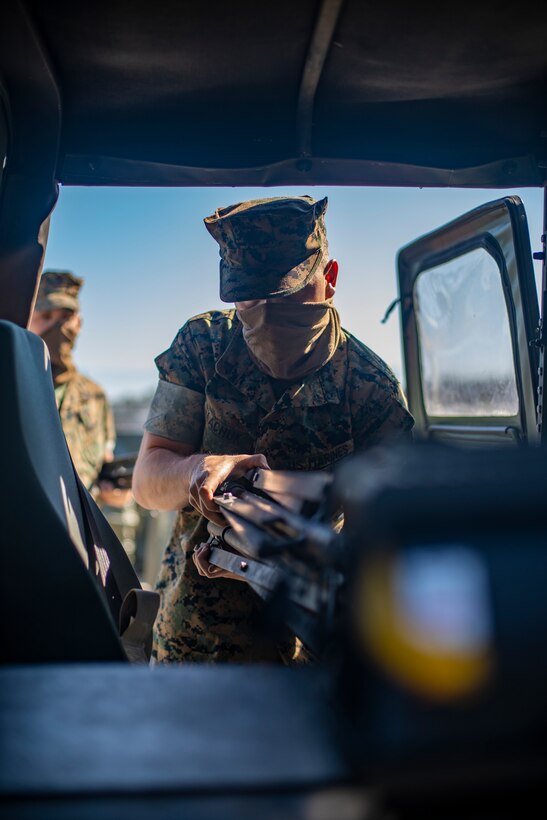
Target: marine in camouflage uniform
point(213, 397)
point(88, 424)
point(86, 416)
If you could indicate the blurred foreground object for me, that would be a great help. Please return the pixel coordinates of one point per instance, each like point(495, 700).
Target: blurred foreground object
point(430, 701)
point(428, 606)
point(70, 592)
point(442, 670)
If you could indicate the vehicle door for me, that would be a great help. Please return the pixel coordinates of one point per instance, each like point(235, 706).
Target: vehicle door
point(469, 313)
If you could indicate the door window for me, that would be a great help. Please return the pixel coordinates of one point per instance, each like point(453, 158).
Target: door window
point(464, 336)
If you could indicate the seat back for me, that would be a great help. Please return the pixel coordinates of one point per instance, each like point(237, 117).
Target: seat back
point(51, 606)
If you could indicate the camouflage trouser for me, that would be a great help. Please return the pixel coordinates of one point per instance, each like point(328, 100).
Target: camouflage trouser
point(209, 620)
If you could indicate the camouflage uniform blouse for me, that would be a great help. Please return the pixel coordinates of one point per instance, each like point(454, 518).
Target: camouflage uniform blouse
point(213, 397)
point(88, 425)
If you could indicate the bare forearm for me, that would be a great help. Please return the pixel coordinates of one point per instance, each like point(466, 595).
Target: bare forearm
point(161, 479)
point(168, 475)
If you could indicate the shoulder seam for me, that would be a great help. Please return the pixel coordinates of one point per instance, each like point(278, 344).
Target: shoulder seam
point(371, 357)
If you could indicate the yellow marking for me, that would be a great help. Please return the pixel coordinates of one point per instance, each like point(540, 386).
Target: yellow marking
point(426, 667)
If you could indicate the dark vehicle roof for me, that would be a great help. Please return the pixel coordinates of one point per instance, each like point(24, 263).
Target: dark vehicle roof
point(247, 93)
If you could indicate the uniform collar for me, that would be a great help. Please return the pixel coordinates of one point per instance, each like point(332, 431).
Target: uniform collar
point(326, 386)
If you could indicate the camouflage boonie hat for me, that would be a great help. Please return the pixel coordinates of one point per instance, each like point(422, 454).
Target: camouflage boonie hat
point(268, 247)
point(58, 289)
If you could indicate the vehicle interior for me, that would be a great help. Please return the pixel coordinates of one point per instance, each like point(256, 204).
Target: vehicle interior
point(323, 92)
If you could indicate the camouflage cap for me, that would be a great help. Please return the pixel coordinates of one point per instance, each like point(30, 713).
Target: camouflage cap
point(268, 247)
point(58, 289)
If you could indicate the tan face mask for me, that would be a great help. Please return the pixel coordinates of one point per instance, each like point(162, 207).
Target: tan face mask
point(289, 340)
point(60, 341)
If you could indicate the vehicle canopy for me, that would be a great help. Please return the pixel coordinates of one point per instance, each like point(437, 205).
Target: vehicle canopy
point(330, 92)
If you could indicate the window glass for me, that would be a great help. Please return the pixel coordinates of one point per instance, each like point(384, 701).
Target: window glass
point(465, 338)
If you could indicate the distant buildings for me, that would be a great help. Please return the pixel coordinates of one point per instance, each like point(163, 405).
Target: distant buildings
point(130, 414)
point(143, 533)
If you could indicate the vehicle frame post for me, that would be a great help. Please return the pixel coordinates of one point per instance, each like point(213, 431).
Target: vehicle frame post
point(542, 255)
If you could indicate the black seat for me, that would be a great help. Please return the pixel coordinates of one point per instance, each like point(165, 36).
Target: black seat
point(52, 608)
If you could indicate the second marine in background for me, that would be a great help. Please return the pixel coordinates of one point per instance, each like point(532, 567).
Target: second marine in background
point(86, 416)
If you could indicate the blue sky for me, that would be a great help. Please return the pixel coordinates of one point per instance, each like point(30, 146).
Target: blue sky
point(149, 264)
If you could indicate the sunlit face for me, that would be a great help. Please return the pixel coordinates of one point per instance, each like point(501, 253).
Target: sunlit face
point(43, 320)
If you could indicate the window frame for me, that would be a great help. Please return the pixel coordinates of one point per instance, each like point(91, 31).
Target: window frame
point(500, 228)
point(491, 247)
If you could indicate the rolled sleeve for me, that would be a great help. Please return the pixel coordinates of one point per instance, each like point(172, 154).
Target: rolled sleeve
point(177, 413)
